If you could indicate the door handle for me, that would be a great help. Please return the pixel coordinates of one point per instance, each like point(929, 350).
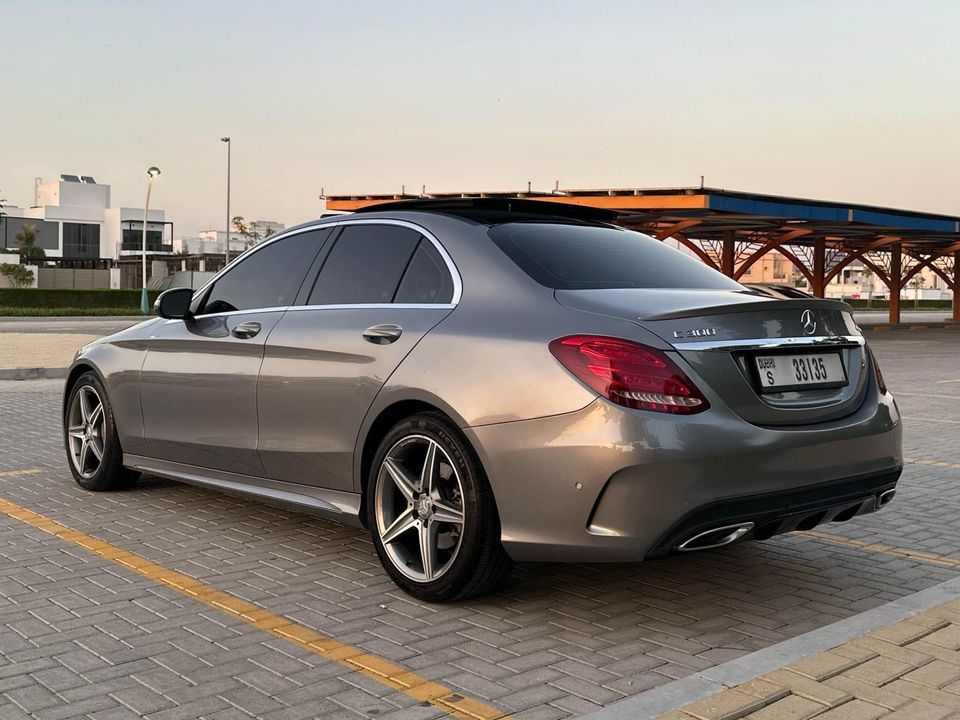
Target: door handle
point(382, 334)
point(246, 330)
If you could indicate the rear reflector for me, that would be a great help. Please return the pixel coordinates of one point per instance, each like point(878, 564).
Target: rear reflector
point(881, 385)
point(629, 374)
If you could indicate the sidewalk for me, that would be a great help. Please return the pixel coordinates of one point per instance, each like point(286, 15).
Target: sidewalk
point(29, 355)
point(909, 670)
point(898, 661)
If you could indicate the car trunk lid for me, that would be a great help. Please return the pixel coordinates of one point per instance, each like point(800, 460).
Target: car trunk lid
point(729, 338)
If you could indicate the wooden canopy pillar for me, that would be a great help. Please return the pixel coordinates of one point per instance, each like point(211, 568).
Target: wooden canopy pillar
point(896, 281)
point(729, 253)
point(956, 286)
point(819, 267)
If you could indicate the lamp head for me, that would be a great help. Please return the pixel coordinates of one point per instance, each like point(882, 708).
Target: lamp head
point(225, 139)
point(153, 171)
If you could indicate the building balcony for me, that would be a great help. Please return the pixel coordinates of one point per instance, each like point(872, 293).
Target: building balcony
point(133, 248)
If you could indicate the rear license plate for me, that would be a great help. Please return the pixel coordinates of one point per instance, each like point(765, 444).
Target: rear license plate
point(794, 372)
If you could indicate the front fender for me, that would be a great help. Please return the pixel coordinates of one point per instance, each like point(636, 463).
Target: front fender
point(117, 364)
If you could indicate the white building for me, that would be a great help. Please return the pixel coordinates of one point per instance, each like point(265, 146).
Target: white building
point(857, 281)
point(265, 228)
point(75, 221)
point(211, 242)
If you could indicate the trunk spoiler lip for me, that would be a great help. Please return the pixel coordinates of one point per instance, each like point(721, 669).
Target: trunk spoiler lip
point(777, 343)
point(760, 305)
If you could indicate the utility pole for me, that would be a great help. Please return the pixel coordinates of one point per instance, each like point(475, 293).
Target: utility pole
point(152, 172)
point(226, 249)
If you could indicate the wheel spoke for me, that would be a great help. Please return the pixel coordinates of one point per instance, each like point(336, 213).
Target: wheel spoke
point(428, 549)
point(401, 478)
point(398, 527)
point(443, 512)
point(84, 451)
point(76, 431)
point(95, 448)
point(429, 470)
point(85, 409)
point(96, 415)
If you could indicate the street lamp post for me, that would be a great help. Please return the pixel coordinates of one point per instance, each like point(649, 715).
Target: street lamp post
point(152, 172)
point(226, 249)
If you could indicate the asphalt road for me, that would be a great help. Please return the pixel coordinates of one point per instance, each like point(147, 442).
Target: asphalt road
point(881, 317)
point(67, 325)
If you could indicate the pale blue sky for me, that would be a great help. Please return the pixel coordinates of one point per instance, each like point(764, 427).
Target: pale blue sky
point(836, 100)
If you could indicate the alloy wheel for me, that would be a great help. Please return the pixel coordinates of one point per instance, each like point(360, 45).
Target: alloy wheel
point(86, 431)
point(419, 508)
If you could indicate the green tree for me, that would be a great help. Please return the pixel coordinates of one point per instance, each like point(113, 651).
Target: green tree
point(867, 275)
point(27, 244)
point(18, 275)
point(917, 285)
point(242, 227)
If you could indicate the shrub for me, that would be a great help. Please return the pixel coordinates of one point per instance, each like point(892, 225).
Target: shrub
point(18, 275)
point(905, 304)
point(67, 312)
point(80, 299)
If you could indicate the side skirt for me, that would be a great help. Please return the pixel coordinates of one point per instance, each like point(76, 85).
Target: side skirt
point(333, 504)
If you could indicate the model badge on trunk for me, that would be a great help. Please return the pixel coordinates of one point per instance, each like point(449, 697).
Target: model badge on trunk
point(698, 332)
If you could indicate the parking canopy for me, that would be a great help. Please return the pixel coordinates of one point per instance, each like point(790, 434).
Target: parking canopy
point(732, 230)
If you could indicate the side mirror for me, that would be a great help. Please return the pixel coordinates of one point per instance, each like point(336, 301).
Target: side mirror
point(174, 304)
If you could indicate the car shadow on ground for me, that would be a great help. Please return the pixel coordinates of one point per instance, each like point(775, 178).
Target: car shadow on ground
point(690, 610)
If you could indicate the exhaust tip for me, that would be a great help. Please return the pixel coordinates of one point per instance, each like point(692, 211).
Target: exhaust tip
point(885, 497)
point(715, 537)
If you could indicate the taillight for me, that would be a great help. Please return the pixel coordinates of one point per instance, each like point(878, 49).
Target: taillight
point(629, 374)
point(876, 368)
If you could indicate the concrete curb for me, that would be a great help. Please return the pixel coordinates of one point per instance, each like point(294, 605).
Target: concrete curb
point(38, 373)
point(676, 694)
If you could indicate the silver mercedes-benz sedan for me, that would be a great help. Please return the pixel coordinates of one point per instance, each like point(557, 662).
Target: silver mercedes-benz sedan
point(484, 381)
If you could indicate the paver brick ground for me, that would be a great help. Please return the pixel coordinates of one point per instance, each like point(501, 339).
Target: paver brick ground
point(82, 637)
point(911, 671)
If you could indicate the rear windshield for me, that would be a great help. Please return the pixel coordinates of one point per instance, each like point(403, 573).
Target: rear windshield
point(581, 257)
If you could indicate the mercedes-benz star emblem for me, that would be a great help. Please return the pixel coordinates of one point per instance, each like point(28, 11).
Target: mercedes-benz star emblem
point(808, 322)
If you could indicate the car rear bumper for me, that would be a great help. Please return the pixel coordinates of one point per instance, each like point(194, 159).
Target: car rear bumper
point(610, 484)
point(761, 516)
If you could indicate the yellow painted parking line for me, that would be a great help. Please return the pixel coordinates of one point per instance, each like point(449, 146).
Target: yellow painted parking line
point(17, 473)
point(383, 671)
point(919, 555)
point(935, 463)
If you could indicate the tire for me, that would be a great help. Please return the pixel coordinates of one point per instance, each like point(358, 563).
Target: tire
point(84, 425)
point(466, 557)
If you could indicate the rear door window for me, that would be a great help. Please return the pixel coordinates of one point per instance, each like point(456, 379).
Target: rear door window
point(365, 265)
point(427, 279)
point(577, 257)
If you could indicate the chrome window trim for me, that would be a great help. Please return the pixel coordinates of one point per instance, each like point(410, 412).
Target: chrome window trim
point(375, 306)
point(451, 267)
point(773, 343)
point(228, 313)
